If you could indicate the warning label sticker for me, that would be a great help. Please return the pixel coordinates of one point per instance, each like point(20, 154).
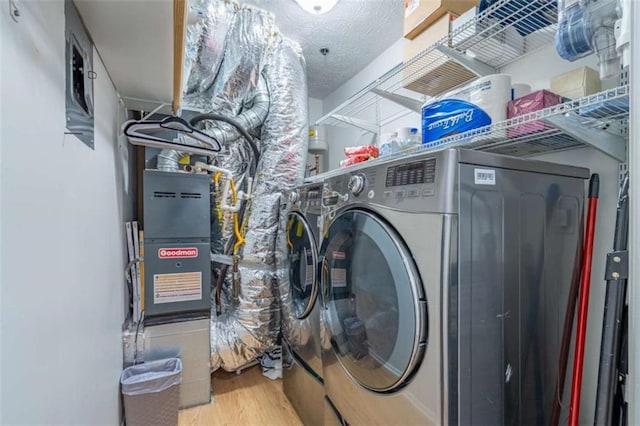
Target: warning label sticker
point(182, 287)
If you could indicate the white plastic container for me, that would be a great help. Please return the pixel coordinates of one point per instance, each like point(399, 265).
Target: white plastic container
point(403, 133)
point(410, 140)
point(389, 144)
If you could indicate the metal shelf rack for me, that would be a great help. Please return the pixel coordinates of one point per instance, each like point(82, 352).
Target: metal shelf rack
point(597, 121)
point(505, 32)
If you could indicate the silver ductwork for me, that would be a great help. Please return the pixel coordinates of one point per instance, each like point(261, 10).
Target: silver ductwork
point(251, 118)
point(244, 331)
point(225, 54)
point(225, 49)
point(299, 334)
point(208, 27)
point(239, 66)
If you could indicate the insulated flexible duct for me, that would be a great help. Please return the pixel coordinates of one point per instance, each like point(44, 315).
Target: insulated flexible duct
point(229, 43)
point(225, 49)
point(251, 118)
point(296, 331)
point(244, 331)
point(208, 27)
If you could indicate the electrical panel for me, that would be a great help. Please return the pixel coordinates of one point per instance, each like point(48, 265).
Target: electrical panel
point(79, 77)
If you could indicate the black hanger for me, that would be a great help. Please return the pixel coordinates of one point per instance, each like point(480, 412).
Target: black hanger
point(133, 129)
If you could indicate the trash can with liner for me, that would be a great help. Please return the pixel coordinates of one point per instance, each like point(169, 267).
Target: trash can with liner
point(151, 392)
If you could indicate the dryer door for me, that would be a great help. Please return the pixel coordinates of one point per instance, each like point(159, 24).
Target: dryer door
point(303, 268)
point(376, 312)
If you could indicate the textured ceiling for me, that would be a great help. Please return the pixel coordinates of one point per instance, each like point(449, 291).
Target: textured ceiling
point(354, 31)
point(135, 40)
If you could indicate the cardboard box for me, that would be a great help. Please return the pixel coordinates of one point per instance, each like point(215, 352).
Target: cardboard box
point(442, 75)
point(436, 73)
point(574, 84)
point(421, 14)
point(428, 37)
point(526, 104)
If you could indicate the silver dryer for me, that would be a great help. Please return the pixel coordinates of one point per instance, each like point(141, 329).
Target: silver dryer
point(302, 369)
point(446, 278)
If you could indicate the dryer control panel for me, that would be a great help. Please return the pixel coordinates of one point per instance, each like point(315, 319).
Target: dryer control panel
point(411, 173)
point(421, 183)
point(310, 198)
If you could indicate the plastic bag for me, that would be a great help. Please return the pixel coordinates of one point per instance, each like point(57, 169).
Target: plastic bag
point(354, 160)
point(363, 150)
point(150, 377)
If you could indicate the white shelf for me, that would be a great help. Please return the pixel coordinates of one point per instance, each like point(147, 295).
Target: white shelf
point(473, 50)
point(598, 121)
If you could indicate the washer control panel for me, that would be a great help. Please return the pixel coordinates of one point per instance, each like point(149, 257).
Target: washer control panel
point(415, 173)
point(311, 196)
point(420, 183)
point(408, 181)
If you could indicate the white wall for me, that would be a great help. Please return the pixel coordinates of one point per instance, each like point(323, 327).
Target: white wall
point(315, 110)
point(341, 137)
point(536, 70)
point(62, 235)
point(315, 113)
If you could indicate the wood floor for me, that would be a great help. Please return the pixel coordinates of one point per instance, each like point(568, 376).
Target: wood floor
point(245, 399)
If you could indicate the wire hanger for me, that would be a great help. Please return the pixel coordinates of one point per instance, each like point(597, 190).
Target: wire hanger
point(141, 133)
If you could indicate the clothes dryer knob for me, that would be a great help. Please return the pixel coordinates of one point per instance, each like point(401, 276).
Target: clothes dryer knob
point(356, 184)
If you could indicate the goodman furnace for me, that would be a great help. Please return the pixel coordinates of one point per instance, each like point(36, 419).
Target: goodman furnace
point(177, 278)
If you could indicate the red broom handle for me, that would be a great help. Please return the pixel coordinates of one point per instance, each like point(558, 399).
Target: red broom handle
point(583, 306)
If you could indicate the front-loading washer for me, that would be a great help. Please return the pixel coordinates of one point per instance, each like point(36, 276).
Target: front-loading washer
point(445, 279)
point(302, 370)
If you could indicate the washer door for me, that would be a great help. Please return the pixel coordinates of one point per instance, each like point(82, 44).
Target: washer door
point(304, 263)
point(376, 311)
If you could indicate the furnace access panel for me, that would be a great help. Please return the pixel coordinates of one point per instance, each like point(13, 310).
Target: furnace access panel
point(177, 249)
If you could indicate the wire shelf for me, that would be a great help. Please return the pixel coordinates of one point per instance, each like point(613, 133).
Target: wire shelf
point(503, 33)
point(550, 129)
point(596, 120)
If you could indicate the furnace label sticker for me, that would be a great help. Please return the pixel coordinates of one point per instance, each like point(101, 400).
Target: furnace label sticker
point(181, 287)
point(484, 176)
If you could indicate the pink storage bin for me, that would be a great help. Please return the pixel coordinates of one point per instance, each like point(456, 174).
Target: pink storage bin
point(530, 103)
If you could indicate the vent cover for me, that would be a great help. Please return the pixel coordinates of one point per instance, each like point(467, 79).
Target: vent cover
point(195, 195)
point(163, 194)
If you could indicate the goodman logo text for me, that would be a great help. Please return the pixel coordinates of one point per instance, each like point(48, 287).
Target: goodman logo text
point(178, 253)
